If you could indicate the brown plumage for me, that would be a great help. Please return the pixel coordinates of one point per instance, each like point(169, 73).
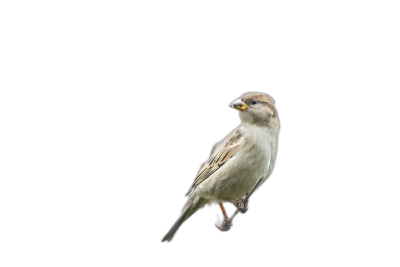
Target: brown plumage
point(239, 161)
point(221, 155)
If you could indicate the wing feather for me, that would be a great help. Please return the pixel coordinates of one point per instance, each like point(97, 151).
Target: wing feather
point(221, 154)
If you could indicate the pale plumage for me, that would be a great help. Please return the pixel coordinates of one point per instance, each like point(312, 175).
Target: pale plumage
point(237, 163)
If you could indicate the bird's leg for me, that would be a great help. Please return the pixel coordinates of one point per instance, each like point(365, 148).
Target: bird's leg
point(240, 203)
point(244, 200)
point(226, 225)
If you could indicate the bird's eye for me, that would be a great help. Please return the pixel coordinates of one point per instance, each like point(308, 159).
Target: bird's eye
point(254, 101)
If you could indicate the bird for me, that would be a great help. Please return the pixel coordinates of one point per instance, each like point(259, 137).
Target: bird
point(237, 163)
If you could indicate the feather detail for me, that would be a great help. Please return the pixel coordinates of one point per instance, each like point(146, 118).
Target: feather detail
point(225, 151)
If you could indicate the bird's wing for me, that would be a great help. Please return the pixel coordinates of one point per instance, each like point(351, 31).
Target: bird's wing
point(220, 155)
point(215, 146)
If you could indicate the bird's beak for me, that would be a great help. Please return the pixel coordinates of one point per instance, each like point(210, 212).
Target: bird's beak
point(238, 104)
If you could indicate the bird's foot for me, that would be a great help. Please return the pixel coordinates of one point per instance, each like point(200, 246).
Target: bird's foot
point(225, 226)
point(241, 203)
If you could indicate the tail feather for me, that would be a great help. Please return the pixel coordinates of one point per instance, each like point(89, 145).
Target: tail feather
point(192, 208)
point(174, 228)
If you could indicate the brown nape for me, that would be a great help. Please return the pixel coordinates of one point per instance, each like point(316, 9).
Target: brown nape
point(272, 109)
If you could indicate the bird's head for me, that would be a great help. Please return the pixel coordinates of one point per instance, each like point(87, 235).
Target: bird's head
point(257, 108)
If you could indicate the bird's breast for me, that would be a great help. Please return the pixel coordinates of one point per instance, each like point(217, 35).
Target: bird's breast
point(253, 161)
point(240, 177)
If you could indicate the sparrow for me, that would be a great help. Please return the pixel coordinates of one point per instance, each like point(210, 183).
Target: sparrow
point(238, 162)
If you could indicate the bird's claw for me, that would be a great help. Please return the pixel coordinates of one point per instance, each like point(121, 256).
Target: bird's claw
point(225, 226)
point(241, 204)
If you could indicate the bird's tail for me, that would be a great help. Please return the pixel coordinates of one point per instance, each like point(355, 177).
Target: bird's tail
point(190, 208)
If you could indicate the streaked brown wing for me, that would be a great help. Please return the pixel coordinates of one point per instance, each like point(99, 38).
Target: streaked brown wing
point(226, 150)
